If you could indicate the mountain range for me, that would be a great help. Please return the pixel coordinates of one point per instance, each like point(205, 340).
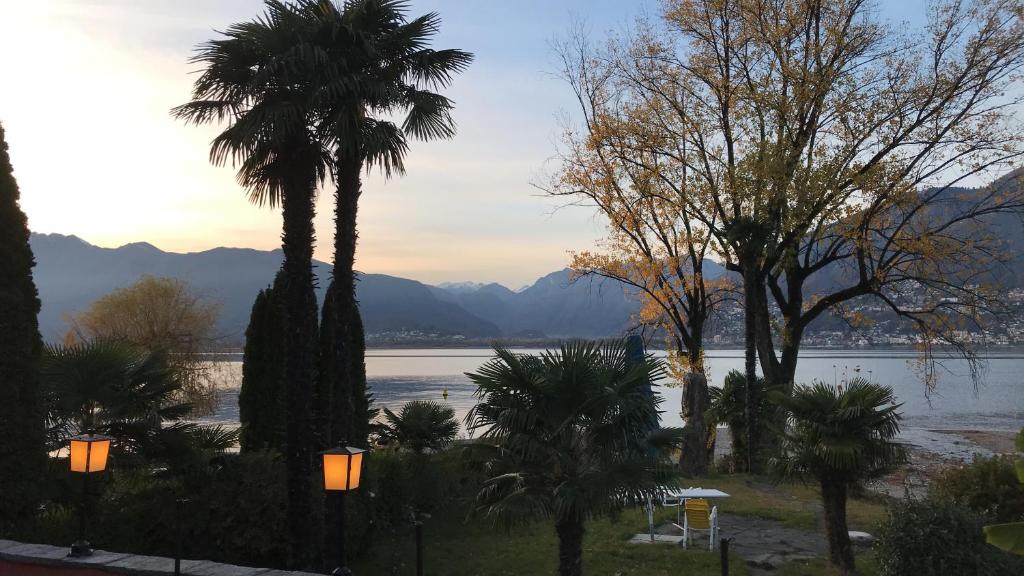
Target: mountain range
point(71, 274)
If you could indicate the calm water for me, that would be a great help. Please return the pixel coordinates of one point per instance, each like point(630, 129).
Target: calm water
point(398, 375)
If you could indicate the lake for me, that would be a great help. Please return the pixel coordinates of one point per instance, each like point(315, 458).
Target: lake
point(398, 375)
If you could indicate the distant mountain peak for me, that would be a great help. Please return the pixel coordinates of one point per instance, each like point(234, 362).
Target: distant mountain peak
point(56, 236)
point(139, 246)
point(462, 286)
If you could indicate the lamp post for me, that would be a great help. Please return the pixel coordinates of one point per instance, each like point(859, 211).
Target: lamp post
point(343, 467)
point(88, 455)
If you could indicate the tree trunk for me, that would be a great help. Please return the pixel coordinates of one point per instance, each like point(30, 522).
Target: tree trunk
point(694, 459)
point(346, 208)
point(840, 550)
point(750, 352)
point(301, 329)
point(570, 547)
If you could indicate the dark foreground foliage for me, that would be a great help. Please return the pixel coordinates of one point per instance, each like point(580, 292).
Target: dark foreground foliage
point(234, 508)
point(21, 407)
point(987, 486)
point(937, 538)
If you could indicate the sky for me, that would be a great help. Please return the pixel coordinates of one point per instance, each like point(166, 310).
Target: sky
point(88, 85)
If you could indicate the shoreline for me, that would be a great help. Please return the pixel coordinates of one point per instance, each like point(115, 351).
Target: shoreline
point(929, 456)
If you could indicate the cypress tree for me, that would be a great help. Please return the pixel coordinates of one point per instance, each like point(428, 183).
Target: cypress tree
point(22, 432)
point(343, 405)
point(262, 406)
point(325, 418)
point(362, 400)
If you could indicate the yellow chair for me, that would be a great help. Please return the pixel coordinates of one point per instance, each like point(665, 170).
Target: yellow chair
point(698, 514)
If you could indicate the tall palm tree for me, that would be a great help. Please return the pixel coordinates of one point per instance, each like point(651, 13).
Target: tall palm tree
point(374, 64)
point(569, 436)
point(255, 81)
point(421, 425)
point(839, 438)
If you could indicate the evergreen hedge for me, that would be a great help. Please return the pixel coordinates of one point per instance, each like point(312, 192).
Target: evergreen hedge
point(22, 453)
point(262, 408)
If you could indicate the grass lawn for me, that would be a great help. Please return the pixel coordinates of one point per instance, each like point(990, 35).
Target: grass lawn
point(456, 547)
point(795, 505)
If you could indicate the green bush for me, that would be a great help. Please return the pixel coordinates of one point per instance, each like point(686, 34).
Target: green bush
point(236, 506)
point(988, 486)
point(938, 538)
point(233, 514)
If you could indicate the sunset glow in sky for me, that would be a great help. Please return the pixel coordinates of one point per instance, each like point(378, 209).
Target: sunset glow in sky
point(88, 85)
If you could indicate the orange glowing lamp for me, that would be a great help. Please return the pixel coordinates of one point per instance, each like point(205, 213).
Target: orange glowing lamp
point(342, 468)
point(89, 452)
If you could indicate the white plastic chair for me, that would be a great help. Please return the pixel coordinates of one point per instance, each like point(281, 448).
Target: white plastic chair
point(697, 517)
point(669, 500)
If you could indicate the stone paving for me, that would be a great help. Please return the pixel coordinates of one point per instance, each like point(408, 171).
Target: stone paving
point(18, 553)
point(765, 544)
point(762, 543)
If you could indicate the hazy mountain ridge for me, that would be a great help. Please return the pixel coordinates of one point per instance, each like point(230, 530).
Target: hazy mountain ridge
point(71, 273)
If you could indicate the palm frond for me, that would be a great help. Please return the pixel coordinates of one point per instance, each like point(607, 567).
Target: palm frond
point(568, 432)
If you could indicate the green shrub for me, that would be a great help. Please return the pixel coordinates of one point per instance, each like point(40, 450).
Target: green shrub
point(937, 538)
point(988, 486)
point(236, 506)
point(234, 511)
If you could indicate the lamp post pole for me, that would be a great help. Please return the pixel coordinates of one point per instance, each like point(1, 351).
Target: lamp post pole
point(81, 547)
point(342, 569)
point(88, 454)
point(342, 469)
point(418, 521)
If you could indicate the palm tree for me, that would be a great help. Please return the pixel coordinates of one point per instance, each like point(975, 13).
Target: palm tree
point(119, 389)
point(570, 435)
point(373, 64)
point(254, 81)
point(421, 425)
point(728, 406)
point(839, 438)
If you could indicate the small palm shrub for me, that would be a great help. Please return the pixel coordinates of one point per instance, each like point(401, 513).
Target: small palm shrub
point(938, 538)
point(728, 406)
point(420, 426)
point(569, 435)
point(839, 438)
point(132, 394)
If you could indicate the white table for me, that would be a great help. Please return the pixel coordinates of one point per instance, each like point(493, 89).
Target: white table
point(682, 495)
point(698, 493)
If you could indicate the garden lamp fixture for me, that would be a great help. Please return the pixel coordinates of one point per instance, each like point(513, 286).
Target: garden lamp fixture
point(89, 452)
point(343, 466)
point(88, 455)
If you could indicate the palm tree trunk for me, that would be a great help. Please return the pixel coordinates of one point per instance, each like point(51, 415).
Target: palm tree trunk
point(301, 329)
point(570, 547)
point(694, 459)
point(840, 550)
point(750, 352)
point(346, 208)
